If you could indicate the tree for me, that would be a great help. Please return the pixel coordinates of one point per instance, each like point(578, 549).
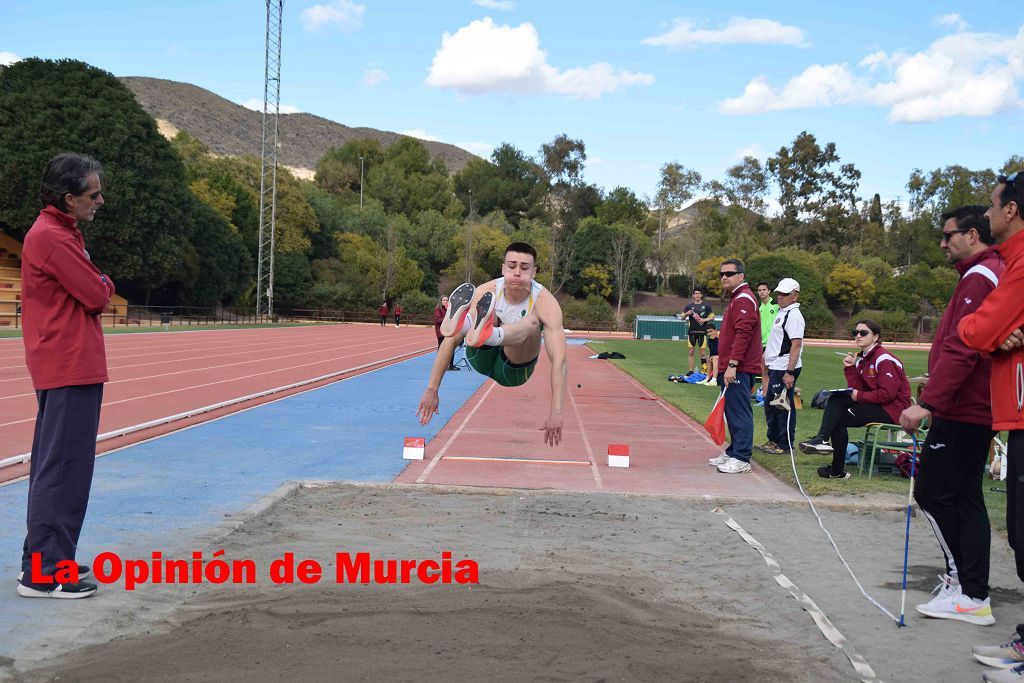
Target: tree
point(625, 260)
point(563, 160)
point(597, 280)
point(850, 286)
point(745, 185)
point(621, 205)
point(511, 183)
point(676, 186)
point(384, 270)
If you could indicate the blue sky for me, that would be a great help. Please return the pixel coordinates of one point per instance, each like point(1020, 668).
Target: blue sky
point(896, 86)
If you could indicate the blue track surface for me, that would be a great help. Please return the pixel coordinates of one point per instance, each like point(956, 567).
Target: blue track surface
point(157, 495)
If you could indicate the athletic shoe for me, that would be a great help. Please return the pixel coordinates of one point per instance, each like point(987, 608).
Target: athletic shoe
point(827, 473)
point(719, 460)
point(458, 306)
point(815, 445)
point(765, 446)
point(695, 378)
point(64, 591)
point(734, 466)
point(962, 608)
point(1014, 675)
point(483, 323)
point(688, 374)
point(1005, 656)
point(945, 594)
point(84, 572)
point(775, 449)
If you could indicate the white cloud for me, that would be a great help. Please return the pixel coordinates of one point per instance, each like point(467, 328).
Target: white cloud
point(739, 30)
point(481, 149)
point(256, 104)
point(495, 4)
point(345, 14)
point(484, 57)
point(421, 134)
point(754, 150)
point(374, 77)
point(954, 20)
point(966, 74)
point(8, 58)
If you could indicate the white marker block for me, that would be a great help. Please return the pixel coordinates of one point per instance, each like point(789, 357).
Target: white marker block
point(675, 337)
point(647, 337)
point(414, 447)
point(618, 455)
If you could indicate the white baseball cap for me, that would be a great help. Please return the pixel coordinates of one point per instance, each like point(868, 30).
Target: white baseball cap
point(788, 285)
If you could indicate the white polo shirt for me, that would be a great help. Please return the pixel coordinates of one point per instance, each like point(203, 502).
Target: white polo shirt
point(795, 327)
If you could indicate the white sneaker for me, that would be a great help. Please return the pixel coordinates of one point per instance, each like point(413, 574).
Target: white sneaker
point(945, 594)
point(734, 466)
point(1006, 656)
point(1014, 675)
point(964, 608)
point(719, 460)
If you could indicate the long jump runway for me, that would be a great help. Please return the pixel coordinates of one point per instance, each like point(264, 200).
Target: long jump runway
point(496, 440)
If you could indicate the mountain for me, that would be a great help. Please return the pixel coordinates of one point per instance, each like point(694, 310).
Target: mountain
point(230, 129)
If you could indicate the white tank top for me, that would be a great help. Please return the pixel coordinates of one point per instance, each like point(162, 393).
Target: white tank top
point(508, 312)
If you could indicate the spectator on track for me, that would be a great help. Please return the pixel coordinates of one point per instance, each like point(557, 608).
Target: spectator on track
point(383, 311)
point(398, 314)
point(63, 295)
point(439, 312)
point(878, 392)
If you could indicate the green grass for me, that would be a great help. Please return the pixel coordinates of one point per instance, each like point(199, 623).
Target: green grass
point(651, 362)
point(174, 328)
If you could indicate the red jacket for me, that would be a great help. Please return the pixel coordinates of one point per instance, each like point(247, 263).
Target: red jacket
point(398, 310)
point(63, 295)
point(740, 338)
point(439, 312)
point(1001, 313)
point(383, 310)
point(958, 384)
point(879, 378)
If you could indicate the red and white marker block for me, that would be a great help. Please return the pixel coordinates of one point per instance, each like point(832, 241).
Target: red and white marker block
point(618, 455)
point(414, 447)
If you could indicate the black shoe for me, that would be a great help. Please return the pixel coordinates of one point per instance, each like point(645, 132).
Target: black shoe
point(63, 591)
point(689, 373)
point(827, 473)
point(84, 572)
point(815, 446)
point(452, 368)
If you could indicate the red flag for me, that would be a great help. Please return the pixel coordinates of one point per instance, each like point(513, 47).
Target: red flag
point(715, 424)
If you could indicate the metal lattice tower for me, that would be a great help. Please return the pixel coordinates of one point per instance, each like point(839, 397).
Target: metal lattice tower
point(268, 167)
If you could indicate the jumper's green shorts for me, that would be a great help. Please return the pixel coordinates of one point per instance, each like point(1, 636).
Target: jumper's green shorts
point(492, 362)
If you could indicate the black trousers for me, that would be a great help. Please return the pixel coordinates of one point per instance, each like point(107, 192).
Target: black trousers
point(60, 473)
point(949, 491)
point(781, 423)
point(1015, 498)
point(841, 413)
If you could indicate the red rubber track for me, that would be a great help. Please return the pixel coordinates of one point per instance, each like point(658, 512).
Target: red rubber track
point(162, 374)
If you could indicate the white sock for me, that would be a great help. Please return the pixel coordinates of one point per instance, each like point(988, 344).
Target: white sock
point(496, 338)
point(467, 324)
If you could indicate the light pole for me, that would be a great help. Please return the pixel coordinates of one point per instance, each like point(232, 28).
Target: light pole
point(360, 183)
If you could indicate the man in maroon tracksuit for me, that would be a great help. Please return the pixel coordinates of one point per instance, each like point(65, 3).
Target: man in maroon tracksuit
point(956, 399)
point(63, 297)
point(739, 351)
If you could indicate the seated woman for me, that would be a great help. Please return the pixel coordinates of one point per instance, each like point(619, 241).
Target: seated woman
point(879, 391)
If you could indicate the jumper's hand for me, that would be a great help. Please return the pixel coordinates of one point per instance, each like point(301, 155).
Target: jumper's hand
point(428, 406)
point(553, 428)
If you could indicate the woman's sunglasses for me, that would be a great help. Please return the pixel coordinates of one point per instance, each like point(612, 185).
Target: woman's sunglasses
point(860, 333)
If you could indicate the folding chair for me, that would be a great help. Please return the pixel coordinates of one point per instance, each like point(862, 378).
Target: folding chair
point(880, 436)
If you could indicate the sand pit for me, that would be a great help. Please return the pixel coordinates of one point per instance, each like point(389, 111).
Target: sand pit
point(572, 587)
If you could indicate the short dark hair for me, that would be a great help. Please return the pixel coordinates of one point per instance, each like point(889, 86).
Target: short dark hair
point(765, 284)
point(522, 248)
point(871, 325)
point(697, 289)
point(971, 217)
point(1012, 192)
point(66, 173)
point(734, 262)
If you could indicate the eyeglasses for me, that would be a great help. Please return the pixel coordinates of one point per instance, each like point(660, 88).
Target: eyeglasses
point(92, 195)
point(860, 333)
point(947, 236)
point(727, 273)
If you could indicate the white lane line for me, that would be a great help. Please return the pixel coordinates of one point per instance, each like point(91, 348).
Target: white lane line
point(440, 454)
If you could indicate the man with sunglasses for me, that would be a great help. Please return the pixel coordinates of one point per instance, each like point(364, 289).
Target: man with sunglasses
point(739, 348)
point(63, 296)
point(956, 399)
point(995, 328)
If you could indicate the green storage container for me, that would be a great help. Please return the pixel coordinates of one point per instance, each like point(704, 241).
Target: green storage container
point(659, 327)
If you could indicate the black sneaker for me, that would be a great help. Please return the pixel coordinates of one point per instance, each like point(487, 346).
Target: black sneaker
point(84, 572)
point(827, 473)
point(815, 446)
point(63, 591)
point(689, 373)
